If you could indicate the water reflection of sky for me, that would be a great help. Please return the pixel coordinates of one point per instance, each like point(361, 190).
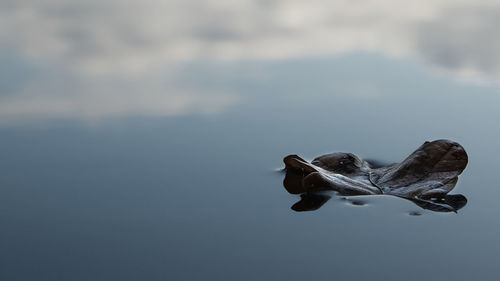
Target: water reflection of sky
point(94, 59)
point(194, 195)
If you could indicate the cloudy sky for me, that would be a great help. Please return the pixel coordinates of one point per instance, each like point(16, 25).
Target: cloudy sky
point(93, 59)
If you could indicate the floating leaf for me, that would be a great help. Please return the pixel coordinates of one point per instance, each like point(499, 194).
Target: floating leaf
point(425, 177)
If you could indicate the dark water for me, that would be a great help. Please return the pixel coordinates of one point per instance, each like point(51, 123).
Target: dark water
point(200, 197)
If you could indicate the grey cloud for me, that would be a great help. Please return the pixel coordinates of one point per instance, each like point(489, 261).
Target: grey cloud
point(116, 35)
point(463, 38)
point(215, 34)
point(15, 72)
point(101, 46)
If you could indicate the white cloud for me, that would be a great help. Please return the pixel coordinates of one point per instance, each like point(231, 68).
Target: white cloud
point(131, 39)
point(111, 36)
point(89, 97)
point(113, 104)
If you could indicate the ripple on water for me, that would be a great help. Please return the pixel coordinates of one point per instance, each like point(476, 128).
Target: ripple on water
point(354, 201)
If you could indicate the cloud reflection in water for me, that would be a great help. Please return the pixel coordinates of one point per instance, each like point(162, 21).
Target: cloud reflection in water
point(97, 59)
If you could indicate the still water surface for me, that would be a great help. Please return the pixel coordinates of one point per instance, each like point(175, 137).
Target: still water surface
point(200, 197)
